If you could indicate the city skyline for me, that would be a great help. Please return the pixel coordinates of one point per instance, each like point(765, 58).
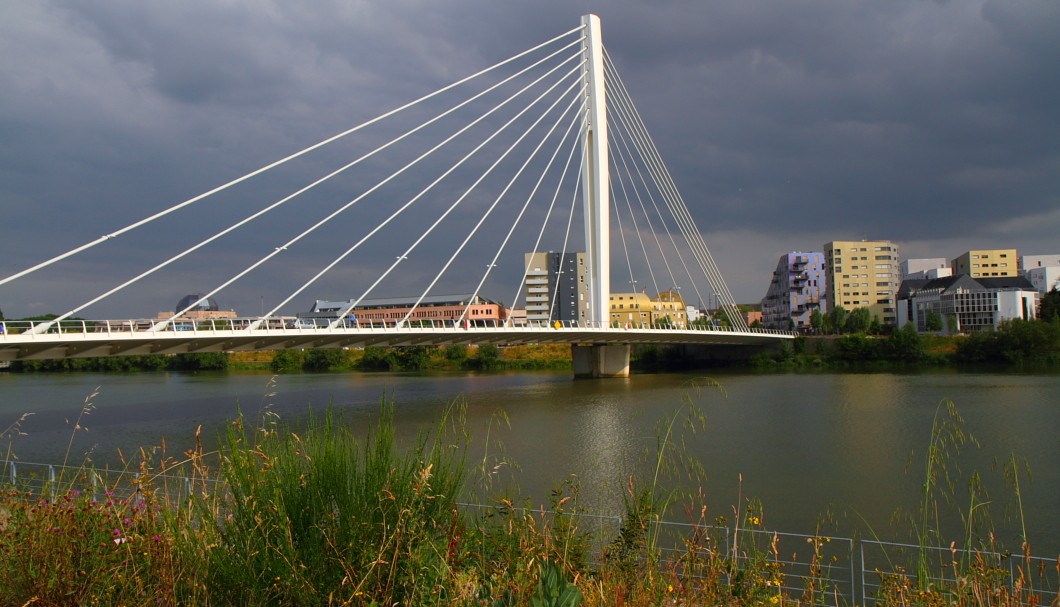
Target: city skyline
point(932, 125)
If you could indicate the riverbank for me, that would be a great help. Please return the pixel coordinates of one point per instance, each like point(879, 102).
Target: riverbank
point(1016, 344)
point(332, 516)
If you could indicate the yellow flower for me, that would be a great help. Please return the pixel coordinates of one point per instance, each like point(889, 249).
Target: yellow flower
point(669, 588)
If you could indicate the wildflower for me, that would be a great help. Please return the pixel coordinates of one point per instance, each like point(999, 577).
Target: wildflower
point(120, 540)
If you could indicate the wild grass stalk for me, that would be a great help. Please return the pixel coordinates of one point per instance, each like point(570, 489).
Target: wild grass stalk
point(327, 516)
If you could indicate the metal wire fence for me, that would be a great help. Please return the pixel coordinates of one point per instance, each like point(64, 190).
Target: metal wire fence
point(807, 566)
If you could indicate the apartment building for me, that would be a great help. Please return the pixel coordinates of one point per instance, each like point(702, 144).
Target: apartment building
point(798, 287)
point(929, 267)
point(639, 310)
point(964, 304)
point(1044, 279)
point(863, 274)
point(556, 287)
point(987, 263)
point(1029, 262)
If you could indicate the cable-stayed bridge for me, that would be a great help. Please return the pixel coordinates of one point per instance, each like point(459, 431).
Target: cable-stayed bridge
point(544, 151)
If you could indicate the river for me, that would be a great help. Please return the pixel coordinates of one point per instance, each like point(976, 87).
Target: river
point(848, 447)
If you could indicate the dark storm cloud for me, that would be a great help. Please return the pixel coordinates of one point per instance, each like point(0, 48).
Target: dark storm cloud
point(934, 124)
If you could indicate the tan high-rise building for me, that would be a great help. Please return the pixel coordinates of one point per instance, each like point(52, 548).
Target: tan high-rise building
point(987, 263)
point(863, 274)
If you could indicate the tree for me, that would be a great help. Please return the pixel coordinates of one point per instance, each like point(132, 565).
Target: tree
point(377, 359)
point(932, 321)
point(326, 359)
point(414, 358)
point(906, 344)
point(1048, 308)
point(456, 353)
point(488, 357)
point(287, 361)
point(837, 319)
point(816, 320)
point(858, 320)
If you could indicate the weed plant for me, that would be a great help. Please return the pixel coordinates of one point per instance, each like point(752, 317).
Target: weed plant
point(327, 517)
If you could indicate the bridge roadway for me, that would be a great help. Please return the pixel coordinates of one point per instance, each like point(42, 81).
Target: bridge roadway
point(90, 339)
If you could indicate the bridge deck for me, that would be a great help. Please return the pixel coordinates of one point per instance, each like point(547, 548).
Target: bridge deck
point(111, 340)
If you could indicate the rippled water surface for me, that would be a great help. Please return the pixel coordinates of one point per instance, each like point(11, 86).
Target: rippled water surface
point(846, 447)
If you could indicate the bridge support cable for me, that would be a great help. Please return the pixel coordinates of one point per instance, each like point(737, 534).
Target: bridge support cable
point(409, 203)
point(680, 209)
point(544, 223)
point(522, 211)
point(636, 227)
point(674, 200)
point(674, 217)
point(617, 151)
point(638, 134)
point(622, 241)
point(350, 308)
point(161, 325)
point(621, 137)
point(284, 160)
point(567, 233)
point(496, 201)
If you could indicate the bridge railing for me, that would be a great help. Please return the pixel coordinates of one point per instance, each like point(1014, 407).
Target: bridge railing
point(216, 325)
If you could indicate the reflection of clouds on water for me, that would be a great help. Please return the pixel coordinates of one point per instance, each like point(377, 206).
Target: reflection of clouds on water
point(801, 441)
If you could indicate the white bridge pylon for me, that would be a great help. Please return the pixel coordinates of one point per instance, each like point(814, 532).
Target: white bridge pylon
point(596, 191)
point(574, 100)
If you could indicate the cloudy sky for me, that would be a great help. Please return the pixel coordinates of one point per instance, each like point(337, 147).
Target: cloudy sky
point(934, 124)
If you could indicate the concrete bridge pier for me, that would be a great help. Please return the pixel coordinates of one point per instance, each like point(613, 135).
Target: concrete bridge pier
point(598, 360)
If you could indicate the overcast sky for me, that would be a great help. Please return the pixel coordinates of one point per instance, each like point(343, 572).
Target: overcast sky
point(934, 124)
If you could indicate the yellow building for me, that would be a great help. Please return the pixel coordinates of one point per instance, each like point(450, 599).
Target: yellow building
point(639, 310)
point(669, 304)
point(987, 263)
point(863, 274)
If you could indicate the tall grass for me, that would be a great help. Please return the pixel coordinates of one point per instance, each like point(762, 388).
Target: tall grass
point(324, 516)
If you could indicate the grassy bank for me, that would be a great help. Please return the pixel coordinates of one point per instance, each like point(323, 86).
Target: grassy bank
point(329, 517)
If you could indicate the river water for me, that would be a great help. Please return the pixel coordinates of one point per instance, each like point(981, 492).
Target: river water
point(846, 447)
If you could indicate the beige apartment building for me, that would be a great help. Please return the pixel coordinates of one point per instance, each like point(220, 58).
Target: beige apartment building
point(987, 263)
point(863, 274)
point(639, 310)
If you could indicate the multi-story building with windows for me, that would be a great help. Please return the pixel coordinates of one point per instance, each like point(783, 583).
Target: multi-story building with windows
point(430, 310)
point(933, 267)
point(963, 304)
point(863, 274)
point(556, 287)
point(797, 289)
point(639, 310)
point(1029, 262)
point(1044, 279)
point(987, 263)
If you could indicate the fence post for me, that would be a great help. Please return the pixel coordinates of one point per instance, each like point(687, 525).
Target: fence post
point(861, 546)
point(51, 481)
